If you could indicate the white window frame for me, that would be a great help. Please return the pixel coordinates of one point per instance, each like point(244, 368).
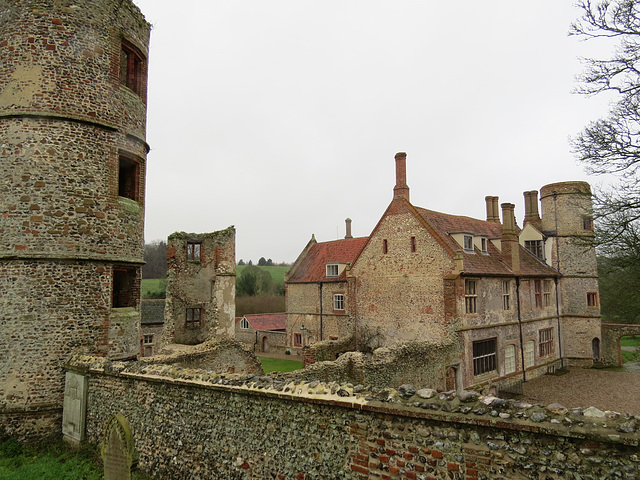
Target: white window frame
point(333, 269)
point(338, 301)
point(509, 359)
point(529, 353)
point(244, 323)
point(467, 243)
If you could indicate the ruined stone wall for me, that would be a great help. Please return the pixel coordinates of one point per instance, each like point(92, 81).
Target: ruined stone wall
point(205, 284)
point(65, 120)
point(264, 341)
point(190, 424)
point(402, 293)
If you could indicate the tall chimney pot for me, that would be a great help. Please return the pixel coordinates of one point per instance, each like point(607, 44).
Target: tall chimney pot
point(401, 189)
point(348, 223)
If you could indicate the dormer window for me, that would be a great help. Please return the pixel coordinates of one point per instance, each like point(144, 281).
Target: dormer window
point(536, 247)
point(468, 243)
point(483, 243)
point(332, 269)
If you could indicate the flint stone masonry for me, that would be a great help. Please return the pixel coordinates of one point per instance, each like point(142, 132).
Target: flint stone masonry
point(191, 424)
point(68, 225)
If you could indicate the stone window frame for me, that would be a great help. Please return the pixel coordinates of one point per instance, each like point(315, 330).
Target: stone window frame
point(338, 302)
point(510, 365)
point(537, 292)
point(129, 176)
point(132, 67)
point(147, 339)
point(484, 355)
point(506, 295)
point(545, 342)
point(244, 324)
point(413, 244)
point(547, 289)
point(592, 300)
point(298, 340)
point(332, 269)
point(193, 317)
point(471, 296)
point(194, 250)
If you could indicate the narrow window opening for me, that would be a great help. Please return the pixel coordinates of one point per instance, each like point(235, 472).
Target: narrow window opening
point(546, 342)
point(506, 295)
point(509, 359)
point(547, 293)
point(413, 244)
point(123, 287)
point(297, 339)
point(193, 317)
point(385, 246)
point(131, 68)
point(537, 291)
point(592, 299)
point(470, 296)
point(193, 251)
point(244, 323)
point(128, 173)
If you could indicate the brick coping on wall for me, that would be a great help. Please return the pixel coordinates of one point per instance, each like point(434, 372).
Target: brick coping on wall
point(468, 408)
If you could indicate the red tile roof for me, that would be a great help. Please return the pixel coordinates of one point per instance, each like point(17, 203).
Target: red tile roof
point(312, 268)
point(478, 263)
point(266, 321)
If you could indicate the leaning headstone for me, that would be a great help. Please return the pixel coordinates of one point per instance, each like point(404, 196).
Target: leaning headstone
point(118, 450)
point(74, 407)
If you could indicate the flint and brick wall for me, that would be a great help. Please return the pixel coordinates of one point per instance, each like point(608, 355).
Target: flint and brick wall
point(191, 424)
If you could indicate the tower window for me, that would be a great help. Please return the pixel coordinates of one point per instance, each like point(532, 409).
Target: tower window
point(592, 299)
point(131, 68)
point(193, 251)
point(128, 173)
point(385, 246)
point(413, 244)
point(123, 288)
point(193, 317)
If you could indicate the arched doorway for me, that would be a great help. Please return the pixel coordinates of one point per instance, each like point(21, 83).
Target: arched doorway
point(595, 347)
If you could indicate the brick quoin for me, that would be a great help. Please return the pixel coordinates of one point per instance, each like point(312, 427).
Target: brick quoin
point(436, 454)
point(360, 469)
point(454, 467)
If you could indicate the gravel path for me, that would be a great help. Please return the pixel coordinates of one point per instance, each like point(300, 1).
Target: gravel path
point(606, 390)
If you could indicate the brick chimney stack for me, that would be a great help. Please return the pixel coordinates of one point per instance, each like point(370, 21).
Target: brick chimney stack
point(531, 214)
point(401, 189)
point(348, 222)
point(510, 245)
point(493, 215)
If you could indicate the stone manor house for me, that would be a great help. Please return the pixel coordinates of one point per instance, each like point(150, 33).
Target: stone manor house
point(516, 301)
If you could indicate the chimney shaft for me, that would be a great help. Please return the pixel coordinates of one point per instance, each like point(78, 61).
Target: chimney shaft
point(348, 223)
point(492, 209)
point(510, 245)
point(531, 207)
point(401, 189)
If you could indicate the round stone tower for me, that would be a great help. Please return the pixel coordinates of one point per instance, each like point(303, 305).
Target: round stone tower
point(73, 88)
point(567, 221)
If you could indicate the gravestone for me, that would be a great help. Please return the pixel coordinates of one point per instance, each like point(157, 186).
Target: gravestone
point(118, 450)
point(74, 407)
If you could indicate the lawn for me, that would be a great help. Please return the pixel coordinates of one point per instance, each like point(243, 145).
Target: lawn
point(53, 461)
point(279, 365)
point(631, 341)
point(276, 272)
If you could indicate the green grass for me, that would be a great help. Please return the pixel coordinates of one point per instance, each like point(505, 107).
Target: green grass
point(630, 341)
point(629, 356)
point(279, 365)
point(53, 461)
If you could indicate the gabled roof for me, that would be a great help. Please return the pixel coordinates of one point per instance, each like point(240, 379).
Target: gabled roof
point(265, 321)
point(312, 268)
point(478, 263)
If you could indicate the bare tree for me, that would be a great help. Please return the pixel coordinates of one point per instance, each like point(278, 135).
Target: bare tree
point(611, 145)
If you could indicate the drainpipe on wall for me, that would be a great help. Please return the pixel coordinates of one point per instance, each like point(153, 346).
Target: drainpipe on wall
point(320, 290)
point(524, 372)
point(555, 279)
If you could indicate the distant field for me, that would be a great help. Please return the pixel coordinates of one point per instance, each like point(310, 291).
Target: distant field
point(279, 365)
point(276, 272)
point(150, 285)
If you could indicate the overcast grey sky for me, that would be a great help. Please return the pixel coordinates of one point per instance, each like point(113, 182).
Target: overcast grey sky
point(283, 117)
